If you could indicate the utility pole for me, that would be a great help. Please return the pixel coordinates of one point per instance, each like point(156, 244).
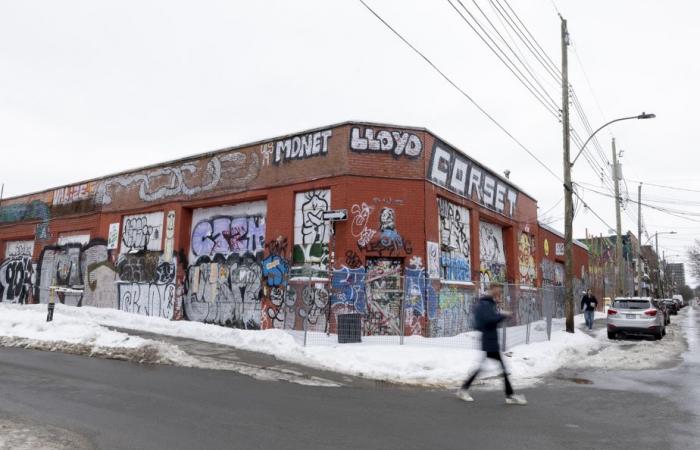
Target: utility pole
point(639, 240)
point(568, 190)
point(658, 266)
point(618, 241)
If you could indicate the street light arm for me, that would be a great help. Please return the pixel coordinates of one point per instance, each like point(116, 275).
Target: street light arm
point(640, 116)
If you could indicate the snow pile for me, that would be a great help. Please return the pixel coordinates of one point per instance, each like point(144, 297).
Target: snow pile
point(422, 361)
point(26, 326)
point(423, 364)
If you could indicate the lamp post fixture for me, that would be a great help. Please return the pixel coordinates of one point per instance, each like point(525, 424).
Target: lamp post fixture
point(568, 197)
point(641, 116)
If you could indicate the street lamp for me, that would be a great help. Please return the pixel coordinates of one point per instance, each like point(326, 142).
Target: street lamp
point(569, 211)
point(641, 116)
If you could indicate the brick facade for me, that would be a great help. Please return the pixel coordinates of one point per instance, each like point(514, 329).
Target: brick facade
point(231, 236)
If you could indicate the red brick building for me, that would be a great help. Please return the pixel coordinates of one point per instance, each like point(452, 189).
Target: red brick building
point(238, 237)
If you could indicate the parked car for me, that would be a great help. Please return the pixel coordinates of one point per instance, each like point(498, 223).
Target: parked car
point(679, 299)
point(661, 306)
point(635, 316)
point(671, 305)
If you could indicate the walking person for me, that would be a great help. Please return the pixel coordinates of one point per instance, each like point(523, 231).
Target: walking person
point(486, 319)
point(588, 306)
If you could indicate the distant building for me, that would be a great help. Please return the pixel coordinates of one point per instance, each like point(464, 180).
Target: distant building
point(676, 274)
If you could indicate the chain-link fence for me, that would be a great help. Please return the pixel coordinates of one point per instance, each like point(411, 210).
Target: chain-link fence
point(412, 310)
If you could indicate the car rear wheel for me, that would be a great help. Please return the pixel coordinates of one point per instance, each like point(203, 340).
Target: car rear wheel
point(658, 335)
point(612, 335)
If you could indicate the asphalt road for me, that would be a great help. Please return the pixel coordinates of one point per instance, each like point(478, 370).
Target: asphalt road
point(115, 405)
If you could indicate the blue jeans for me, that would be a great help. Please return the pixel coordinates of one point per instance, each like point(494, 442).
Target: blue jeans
point(588, 315)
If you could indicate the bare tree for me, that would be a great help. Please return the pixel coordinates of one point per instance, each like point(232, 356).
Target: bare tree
point(694, 259)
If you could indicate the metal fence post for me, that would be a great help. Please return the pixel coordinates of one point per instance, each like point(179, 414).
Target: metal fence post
point(402, 328)
point(527, 329)
point(503, 338)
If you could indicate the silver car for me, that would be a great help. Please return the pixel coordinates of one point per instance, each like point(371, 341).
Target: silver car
point(635, 316)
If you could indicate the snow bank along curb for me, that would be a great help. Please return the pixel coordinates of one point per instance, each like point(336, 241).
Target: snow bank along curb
point(26, 327)
point(427, 365)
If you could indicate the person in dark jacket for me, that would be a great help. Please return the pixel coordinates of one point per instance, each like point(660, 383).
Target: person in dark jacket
point(588, 305)
point(486, 319)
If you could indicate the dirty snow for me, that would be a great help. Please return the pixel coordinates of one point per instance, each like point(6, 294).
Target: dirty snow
point(419, 362)
point(26, 435)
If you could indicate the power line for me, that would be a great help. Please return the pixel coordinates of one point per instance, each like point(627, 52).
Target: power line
point(544, 98)
point(663, 186)
point(461, 91)
point(531, 39)
point(479, 107)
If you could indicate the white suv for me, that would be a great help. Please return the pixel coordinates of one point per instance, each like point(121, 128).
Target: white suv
point(635, 316)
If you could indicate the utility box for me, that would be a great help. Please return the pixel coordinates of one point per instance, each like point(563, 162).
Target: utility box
point(349, 328)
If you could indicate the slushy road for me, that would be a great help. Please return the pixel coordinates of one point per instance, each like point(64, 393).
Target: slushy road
point(118, 405)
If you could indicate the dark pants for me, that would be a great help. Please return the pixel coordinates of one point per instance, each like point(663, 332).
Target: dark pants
point(497, 357)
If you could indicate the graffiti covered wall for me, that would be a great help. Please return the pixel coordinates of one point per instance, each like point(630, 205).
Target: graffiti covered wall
point(492, 253)
point(527, 270)
point(225, 271)
point(455, 243)
point(311, 233)
point(142, 232)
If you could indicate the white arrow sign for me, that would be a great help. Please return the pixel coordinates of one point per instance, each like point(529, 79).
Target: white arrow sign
point(335, 215)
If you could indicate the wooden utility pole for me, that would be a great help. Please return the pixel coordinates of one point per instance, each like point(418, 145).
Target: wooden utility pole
point(568, 190)
point(619, 283)
point(639, 240)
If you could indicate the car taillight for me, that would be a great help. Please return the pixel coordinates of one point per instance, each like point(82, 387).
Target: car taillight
point(611, 312)
point(650, 312)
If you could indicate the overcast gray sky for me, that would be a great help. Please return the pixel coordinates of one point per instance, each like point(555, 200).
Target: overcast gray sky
point(93, 87)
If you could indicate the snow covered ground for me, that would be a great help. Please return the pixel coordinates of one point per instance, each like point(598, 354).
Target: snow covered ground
point(421, 361)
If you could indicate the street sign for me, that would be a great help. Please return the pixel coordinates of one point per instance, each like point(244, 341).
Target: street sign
point(335, 215)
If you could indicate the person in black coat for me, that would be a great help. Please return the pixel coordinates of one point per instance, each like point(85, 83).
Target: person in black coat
point(588, 306)
point(486, 319)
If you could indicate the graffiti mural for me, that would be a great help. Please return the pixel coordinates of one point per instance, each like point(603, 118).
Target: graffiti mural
point(455, 244)
point(71, 194)
point(16, 274)
point(146, 283)
point(433, 251)
point(384, 295)
point(225, 291)
point(492, 253)
point(232, 170)
point(348, 286)
point(418, 295)
point(302, 147)
point(142, 232)
point(397, 143)
point(526, 259)
point(19, 248)
point(279, 300)
point(66, 266)
point(226, 230)
point(311, 233)
point(385, 240)
point(225, 276)
point(34, 210)
point(149, 299)
point(453, 312)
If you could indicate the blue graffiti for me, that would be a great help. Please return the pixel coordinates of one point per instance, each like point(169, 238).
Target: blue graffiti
point(418, 292)
point(455, 268)
point(274, 269)
point(33, 210)
point(349, 288)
